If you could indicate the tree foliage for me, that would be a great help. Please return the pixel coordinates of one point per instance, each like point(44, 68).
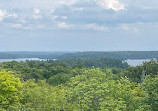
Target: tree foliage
point(9, 90)
point(54, 86)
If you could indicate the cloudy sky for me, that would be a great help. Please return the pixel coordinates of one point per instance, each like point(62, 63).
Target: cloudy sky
point(78, 25)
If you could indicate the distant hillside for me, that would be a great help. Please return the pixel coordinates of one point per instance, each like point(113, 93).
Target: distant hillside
point(123, 55)
point(45, 55)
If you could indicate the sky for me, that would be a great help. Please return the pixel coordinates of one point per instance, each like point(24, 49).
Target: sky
point(78, 25)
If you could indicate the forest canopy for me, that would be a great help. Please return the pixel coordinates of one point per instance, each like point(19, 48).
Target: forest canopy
point(71, 85)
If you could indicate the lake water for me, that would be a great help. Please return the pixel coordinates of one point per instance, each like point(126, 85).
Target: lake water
point(129, 61)
point(136, 62)
point(20, 59)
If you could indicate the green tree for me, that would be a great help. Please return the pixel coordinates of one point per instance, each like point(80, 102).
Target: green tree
point(150, 85)
point(58, 79)
point(95, 91)
point(42, 97)
point(9, 90)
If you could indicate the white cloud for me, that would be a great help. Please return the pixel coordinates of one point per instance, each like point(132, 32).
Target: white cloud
point(6, 14)
point(16, 25)
point(111, 4)
point(36, 14)
point(125, 27)
point(23, 21)
point(54, 17)
point(64, 17)
point(135, 30)
point(37, 17)
point(39, 26)
point(64, 25)
point(130, 27)
point(96, 27)
point(36, 11)
point(26, 27)
point(33, 27)
point(52, 11)
point(79, 9)
point(14, 15)
point(92, 26)
point(2, 15)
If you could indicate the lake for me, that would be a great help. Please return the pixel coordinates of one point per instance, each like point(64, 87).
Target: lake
point(131, 62)
point(20, 59)
point(136, 62)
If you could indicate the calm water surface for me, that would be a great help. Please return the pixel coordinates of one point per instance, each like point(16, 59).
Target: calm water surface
point(20, 59)
point(136, 62)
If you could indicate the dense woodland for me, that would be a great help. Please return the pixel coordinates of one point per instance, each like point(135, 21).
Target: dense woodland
point(123, 55)
point(92, 62)
point(78, 85)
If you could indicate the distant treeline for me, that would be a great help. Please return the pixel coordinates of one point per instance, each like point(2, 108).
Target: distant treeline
point(123, 55)
point(100, 62)
point(16, 55)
